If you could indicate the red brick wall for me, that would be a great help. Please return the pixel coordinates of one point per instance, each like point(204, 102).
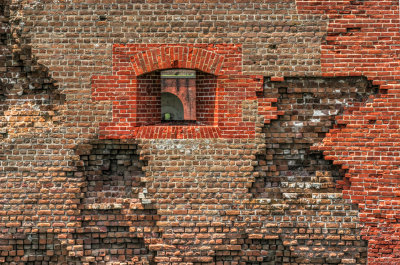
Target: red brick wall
point(362, 39)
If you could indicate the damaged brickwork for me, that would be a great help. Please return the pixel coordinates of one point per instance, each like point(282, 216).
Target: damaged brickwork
point(365, 141)
point(293, 159)
point(116, 221)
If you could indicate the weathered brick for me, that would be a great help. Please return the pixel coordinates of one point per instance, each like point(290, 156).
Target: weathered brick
point(248, 183)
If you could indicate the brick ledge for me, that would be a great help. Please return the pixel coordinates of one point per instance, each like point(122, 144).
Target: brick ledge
point(165, 132)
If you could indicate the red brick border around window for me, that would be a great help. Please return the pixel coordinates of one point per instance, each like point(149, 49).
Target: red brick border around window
point(134, 87)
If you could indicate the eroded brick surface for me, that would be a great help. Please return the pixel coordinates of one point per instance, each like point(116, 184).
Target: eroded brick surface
point(207, 213)
point(117, 222)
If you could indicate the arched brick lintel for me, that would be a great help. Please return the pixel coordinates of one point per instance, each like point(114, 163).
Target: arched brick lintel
point(177, 57)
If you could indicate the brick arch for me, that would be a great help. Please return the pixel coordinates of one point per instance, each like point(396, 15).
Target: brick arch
point(177, 57)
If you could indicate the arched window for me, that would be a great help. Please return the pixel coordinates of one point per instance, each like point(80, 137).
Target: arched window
point(171, 107)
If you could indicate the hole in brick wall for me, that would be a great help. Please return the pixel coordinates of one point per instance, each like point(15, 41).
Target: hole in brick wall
point(383, 91)
point(198, 102)
point(34, 81)
point(296, 186)
point(375, 88)
point(357, 29)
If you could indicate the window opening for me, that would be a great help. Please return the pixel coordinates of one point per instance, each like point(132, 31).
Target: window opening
point(178, 95)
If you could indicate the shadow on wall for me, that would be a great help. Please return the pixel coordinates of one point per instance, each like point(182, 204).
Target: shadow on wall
point(311, 106)
point(299, 192)
point(29, 104)
point(22, 78)
point(116, 216)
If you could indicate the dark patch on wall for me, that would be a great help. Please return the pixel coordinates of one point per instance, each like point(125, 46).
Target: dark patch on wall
point(26, 89)
point(21, 75)
point(115, 219)
point(43, 248)
point(296, 187)
point(311, 106)
point(36, 247)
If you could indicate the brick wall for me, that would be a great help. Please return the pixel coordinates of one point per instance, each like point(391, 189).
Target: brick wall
point(294, 160)
point(361, 40)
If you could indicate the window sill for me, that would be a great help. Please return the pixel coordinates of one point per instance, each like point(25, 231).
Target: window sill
point(171, 131)
point(163, 131)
